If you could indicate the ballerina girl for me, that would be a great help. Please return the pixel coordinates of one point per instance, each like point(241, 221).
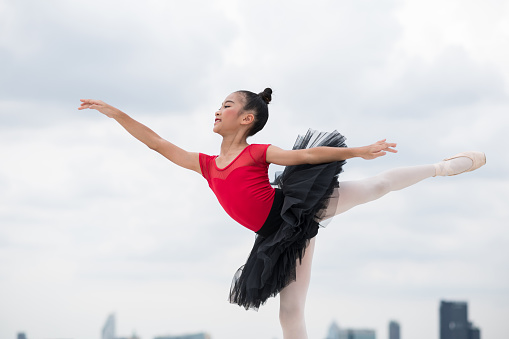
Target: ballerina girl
point(286, 218)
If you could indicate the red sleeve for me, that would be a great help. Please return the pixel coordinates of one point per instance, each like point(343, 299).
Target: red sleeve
point(259, 153)
point(204, 165)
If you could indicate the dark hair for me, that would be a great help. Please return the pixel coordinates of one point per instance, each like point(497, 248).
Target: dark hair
point(258, 104)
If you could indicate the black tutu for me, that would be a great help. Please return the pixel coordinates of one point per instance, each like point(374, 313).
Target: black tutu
point(301, 199)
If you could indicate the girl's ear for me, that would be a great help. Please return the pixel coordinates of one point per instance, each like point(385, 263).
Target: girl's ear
point(247, 119)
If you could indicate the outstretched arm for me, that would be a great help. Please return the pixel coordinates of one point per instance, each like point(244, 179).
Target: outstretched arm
point(177, 155)
point(318, 155)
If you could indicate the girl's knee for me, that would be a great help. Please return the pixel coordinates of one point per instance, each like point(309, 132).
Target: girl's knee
point(289, 314)
point(381, 187)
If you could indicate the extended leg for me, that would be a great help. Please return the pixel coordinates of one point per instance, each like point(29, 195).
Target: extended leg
point(293, 299)
point(357, 192)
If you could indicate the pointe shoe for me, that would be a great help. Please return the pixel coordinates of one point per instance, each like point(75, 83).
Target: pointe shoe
point(478, 160)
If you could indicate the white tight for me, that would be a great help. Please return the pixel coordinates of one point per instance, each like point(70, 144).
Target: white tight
point(292, 299)
point(351, 193)
point(358, 192)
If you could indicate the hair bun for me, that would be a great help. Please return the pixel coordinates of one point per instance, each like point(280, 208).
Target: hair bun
point(266, 95)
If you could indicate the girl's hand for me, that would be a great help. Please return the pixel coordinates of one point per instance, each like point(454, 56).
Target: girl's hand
point(100, 106)
point(378, 149)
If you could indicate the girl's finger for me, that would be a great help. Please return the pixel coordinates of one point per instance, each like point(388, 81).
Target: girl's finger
point(84, 106)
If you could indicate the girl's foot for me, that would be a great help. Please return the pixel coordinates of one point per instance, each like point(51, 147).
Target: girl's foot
point(460, 163)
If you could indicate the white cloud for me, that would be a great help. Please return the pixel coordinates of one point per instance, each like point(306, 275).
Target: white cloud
point(153, 53)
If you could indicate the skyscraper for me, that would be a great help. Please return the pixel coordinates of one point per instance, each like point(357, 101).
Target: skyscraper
point(394, 330)
point(108, 331)
point(361, 334)
point(454, 322)
point(334, 332)
point(474, 333)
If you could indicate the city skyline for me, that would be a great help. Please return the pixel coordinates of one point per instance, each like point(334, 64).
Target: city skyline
point(453, 323)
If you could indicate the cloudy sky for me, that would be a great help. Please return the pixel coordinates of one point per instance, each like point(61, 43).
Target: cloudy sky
point(93, 222)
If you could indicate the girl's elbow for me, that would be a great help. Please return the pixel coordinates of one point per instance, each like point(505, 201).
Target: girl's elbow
point(309, 158)
point(153, 147)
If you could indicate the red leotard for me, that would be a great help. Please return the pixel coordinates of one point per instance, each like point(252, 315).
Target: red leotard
point(242, 187)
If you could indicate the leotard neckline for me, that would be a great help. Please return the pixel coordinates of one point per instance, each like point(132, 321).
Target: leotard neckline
point(231, 163)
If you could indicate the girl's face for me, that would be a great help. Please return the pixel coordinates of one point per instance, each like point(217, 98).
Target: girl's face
point(227, 117)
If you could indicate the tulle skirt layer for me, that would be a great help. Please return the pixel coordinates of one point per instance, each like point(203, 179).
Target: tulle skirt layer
point(301, 199)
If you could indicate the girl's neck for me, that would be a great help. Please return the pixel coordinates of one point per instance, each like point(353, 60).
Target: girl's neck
point(233, 144)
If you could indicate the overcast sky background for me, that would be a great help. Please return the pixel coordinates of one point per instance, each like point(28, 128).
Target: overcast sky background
point(93, 222)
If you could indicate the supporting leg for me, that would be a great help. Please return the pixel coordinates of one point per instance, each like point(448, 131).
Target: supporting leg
point(293, 299)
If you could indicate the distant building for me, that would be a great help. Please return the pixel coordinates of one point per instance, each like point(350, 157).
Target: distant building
point(474, 333)
point(22, 335)
point(361, 334)
point(108, 331)
point(394, 330)
point(454, 322)
point(335, 332)
point(188, 336)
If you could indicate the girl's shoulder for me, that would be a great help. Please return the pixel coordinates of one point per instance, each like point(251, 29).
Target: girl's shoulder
point(259, 145)
point(255, 148)
point(259, 153)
